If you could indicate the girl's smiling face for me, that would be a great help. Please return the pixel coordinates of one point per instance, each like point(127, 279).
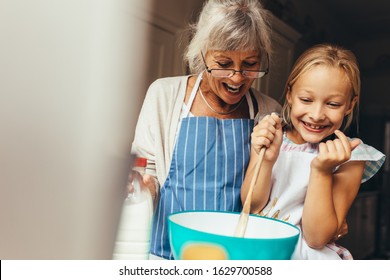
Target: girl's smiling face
point(319, 100)
point(231, 89)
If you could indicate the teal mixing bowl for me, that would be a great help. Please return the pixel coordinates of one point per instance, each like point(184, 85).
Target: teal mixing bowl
point(265, 238)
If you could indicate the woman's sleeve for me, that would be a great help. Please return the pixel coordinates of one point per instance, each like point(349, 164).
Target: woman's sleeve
point(145, 132)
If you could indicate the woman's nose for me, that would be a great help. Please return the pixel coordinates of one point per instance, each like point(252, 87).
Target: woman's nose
point(237, 76)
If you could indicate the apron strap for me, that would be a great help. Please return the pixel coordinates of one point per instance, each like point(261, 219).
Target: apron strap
point(250, 105)
point(192, 96)
point(195, 90)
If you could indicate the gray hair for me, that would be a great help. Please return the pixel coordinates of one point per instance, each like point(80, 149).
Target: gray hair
point(228, 25)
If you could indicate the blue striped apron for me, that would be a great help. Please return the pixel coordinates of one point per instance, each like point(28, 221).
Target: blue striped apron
point(207, 169)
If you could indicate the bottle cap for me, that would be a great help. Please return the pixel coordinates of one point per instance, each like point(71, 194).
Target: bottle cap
point(140, 162)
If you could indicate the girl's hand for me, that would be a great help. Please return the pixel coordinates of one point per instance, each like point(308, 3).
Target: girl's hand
point(342, 231)
point(334, 152)
point(268, 133)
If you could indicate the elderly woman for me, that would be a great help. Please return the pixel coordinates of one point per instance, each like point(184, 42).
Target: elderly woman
point(195, 130)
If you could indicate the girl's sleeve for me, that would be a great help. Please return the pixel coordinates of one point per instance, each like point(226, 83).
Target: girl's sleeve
point(374, 159)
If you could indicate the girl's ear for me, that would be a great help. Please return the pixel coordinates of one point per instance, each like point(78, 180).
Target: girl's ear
point(351, 105)
point(288, 95)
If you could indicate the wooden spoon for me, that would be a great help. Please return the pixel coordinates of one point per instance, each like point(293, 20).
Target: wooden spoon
point(244, 216)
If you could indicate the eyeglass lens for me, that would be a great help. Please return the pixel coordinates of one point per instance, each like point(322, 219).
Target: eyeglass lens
point(231, 72)
point(216, 72)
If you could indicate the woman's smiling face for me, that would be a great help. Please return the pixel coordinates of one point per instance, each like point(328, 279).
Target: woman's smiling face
point(231, 89)
point(319, 100)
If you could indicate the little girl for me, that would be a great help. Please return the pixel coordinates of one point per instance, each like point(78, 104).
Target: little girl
point(308, 177)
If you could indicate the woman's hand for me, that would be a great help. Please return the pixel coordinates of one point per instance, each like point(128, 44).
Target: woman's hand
point(145, 181)
point(334, 152)
point(268, 133)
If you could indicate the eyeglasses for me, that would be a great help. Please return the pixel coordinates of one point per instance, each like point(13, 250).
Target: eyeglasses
point(228, 73)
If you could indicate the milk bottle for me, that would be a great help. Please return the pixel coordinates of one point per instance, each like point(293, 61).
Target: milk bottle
point(133, 237)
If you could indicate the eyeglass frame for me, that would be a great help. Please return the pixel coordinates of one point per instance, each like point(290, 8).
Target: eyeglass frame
point(234, 71)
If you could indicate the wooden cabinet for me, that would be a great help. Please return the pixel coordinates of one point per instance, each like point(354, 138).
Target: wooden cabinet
point(166, 43)
point(362, 223)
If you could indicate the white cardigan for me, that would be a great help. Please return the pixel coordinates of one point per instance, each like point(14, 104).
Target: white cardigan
point(159, 119)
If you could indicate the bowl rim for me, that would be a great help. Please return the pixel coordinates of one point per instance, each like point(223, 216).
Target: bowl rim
point(234, 213)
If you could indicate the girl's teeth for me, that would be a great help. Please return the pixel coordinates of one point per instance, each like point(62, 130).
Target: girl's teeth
point(315, 126)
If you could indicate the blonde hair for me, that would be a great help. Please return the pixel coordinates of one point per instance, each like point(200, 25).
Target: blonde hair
point(228, 25)
point(329, 55)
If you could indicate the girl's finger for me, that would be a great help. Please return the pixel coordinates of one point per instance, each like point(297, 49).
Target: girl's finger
point(340, 147)
point(323, 149)
point(331, 147)
point(344, 140)
point(354, 143)
point(348, 145)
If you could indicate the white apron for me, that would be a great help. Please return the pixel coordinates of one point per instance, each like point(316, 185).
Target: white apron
point(289, 191)
point(290, 178)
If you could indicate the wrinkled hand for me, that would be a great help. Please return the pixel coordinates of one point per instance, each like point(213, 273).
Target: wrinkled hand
point(146, 181)
point(332, 153)
point(268, 133)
